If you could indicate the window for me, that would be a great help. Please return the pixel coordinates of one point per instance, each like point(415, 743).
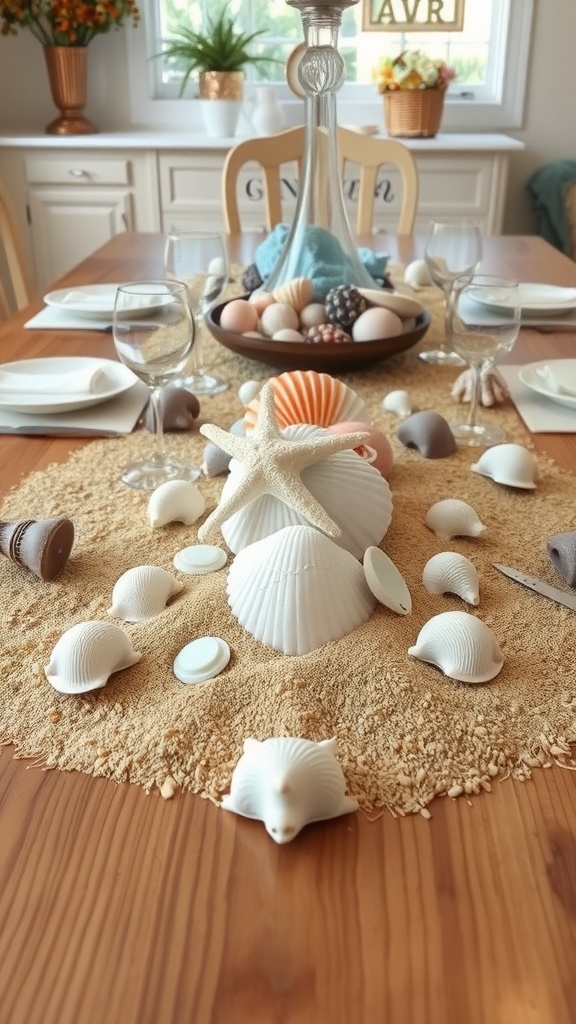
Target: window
point(490, 55)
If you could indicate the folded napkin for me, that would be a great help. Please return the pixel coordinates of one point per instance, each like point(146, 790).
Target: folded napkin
point(92, 380)
point(92, 300)
point(563, 383)
point(540, 414)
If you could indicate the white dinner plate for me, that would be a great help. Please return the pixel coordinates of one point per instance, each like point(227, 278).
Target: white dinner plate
point(533, 377)
point(542, 299)
point(120, 379)
point(96, 301)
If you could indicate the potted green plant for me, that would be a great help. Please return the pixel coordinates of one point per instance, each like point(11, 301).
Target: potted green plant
point(218, 54)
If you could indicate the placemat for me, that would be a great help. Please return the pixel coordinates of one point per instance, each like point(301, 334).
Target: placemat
point(405, 732)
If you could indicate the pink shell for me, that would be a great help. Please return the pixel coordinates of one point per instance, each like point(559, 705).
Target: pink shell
point(377, 450)
point(305, 396)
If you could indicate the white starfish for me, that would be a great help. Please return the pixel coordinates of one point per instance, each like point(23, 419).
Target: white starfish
point(272, 464)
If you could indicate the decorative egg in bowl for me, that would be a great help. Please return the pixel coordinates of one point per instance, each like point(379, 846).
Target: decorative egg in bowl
point(330, 355)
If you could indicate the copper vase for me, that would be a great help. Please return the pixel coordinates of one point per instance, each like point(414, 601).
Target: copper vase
point(67, 72)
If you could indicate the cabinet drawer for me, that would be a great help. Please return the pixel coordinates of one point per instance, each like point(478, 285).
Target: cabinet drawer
point(77, 168)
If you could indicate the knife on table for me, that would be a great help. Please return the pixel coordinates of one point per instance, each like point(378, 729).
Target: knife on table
point(538, 586)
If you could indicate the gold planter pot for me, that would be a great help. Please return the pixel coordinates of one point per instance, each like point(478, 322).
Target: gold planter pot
point(67, 73)
point(221, 85)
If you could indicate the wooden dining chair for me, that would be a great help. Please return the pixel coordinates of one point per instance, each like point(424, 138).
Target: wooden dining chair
point(15, 288)
point(368, 153)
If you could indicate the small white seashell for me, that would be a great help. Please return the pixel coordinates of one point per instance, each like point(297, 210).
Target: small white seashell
point(398, 402)
point(288, 782)
point(452, 517)
point(142, 593)
point(86, 655)
point(417, 274)
point(449, 572)
point(508, 464)
point(461, 645)
point(296, 293)
point(386, 581)
point(200, 559)
point(202, 659)
point(402, 305)
point(216, 461)
point(296, 590)
point(248, 390)
point(176, 501)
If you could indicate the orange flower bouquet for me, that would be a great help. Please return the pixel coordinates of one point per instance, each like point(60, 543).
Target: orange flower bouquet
point(66, 22)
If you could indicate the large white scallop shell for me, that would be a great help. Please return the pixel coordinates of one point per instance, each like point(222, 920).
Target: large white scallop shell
point(288, 782)
point(175, 501)
point(297, 590)
point(449, 572)
point(508, 464)
point(87, 654)
point(461, 645)
point(143, 592)
point(353, 493)
point(452, 517)
point(304, 396)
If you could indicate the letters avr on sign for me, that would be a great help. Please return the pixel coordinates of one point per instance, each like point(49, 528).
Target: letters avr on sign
point(421, 15)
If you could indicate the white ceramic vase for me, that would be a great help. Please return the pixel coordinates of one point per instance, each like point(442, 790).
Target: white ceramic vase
point(267, 116)
point(220, 117)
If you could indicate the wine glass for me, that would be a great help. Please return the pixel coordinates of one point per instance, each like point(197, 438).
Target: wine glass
point(483, 321)
point(200, 259)
point(153, 332)
point(452, 250)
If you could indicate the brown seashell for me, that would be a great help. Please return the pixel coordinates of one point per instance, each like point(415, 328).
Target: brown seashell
point(429, 433)
point(296, 293)
point(42, 546)
point(179, 410)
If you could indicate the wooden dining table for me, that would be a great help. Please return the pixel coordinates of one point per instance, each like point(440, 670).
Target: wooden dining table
point(118, 907)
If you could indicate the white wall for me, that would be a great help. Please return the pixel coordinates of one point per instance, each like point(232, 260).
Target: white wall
point(548, 132)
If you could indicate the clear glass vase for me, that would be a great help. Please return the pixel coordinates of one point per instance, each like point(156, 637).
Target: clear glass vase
point(320, 233)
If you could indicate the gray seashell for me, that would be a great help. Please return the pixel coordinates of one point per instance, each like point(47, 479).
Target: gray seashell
point(248, 390)
point(176, 501)
point(179, 409)
point(216, 460)
point(452, 517)
point(449, 572)
point(562, 552)
point(297, 590)
point(509, 464)
point(86, 655)
point(429, 433)
point(143, 592)
point(288, 782)
point(461, 645)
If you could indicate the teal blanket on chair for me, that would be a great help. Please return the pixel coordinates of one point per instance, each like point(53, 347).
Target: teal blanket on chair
point(547, 188)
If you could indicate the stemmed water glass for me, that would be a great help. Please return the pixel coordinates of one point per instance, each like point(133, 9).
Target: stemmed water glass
point(483, 321)
point(452, 250)
point(200, 259)
point(153, 332)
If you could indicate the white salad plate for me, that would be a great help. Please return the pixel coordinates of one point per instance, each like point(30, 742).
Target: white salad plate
point(119, 378)
point(96, 301)
point(541, 299)
point(536, 376)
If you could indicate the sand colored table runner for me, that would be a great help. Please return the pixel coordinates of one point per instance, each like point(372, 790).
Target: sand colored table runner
point(405, 732)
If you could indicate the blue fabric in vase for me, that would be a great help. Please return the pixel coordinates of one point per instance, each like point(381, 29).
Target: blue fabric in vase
point(321, 259)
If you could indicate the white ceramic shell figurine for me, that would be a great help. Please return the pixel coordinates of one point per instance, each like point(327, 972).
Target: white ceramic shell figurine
point(288, 782)
point(452, 517)
point(461, 645)
point(398, 402)
point(296, 590)
point(87, 654)
point(509, 464)
point(143, 592)
point(449, 572)
point(175, 501)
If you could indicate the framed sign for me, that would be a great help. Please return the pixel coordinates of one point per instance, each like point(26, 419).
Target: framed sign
point(412, 15)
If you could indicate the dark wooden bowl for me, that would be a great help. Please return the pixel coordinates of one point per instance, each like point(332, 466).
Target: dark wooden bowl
point(299, 355)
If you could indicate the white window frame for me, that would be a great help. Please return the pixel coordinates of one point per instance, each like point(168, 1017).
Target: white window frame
point(357, 104)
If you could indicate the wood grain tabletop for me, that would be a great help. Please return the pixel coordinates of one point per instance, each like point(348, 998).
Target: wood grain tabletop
point(122, 908)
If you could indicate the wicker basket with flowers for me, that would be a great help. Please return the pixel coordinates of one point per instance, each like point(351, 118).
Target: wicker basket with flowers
point(413, 86)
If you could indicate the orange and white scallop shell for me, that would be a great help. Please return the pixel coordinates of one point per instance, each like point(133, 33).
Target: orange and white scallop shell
point(175, 501)
point(143, 592)
point(87, 654)
point(450, 572)
point(305, 396)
